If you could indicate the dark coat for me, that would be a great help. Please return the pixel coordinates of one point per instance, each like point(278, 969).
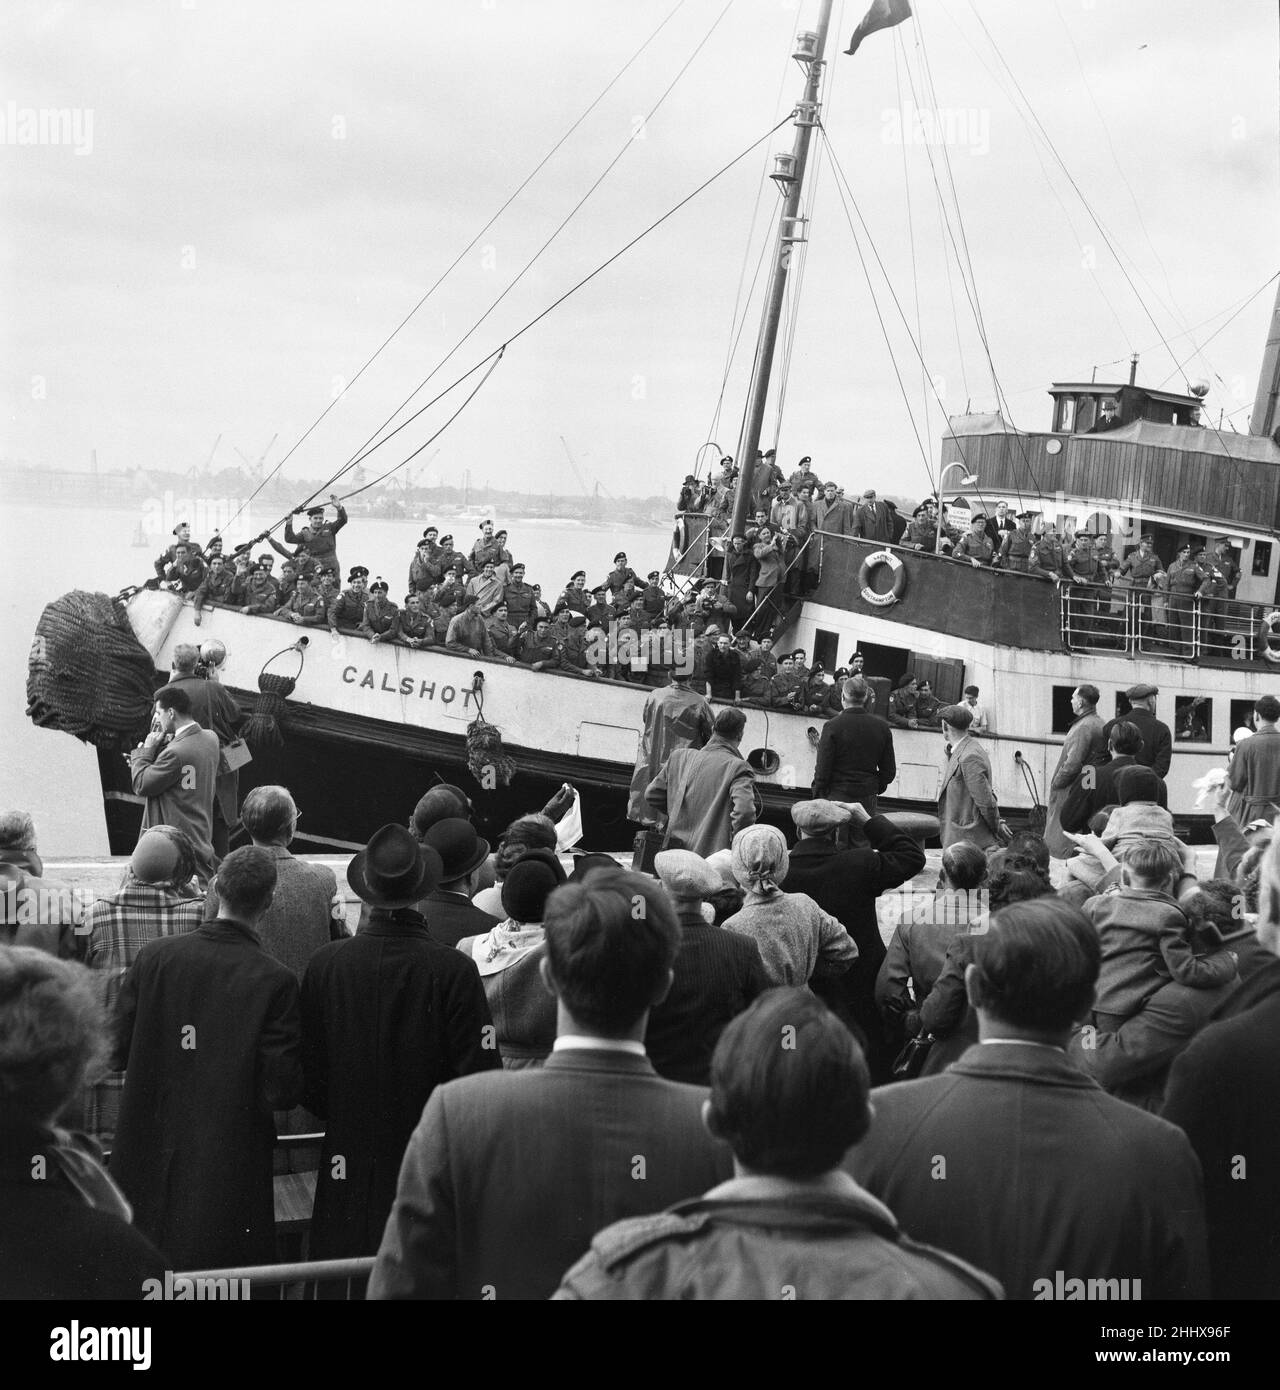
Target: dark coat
point(707, 795)
point(1044, 1172)
point(718, 974)
point(209, 1031)
point(846, 883)
point(1157, 742)
point(1224, 1091)
point(450, 917)
point(1083, 802)
point(387, 1016)
point(510, 1174)
point(55, 1245)
point(855, 757)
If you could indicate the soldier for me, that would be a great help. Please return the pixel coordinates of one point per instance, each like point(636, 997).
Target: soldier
point(319, 535)
point(346, 610)
point(1016, 545)
point(305, 606)
point(600, 612)
point(259, 590)
point(186, 574)
point(288, 581)
point(803, 475)
point(519, 598)
point(327, 586)
point(468, 633)
point(214, 546)
point(651, 596)
point(486, 551)
point(540, 609)
point(1224, 558)
point(416, 628)
point(575, 595)
point(1048, 559)
point(441, 614)
point(300, 557)
point(217, 587)
point(451, 558)
point(486, 588)
point(500, 630)
point(453, 589)
point(1138, 571)
point(182, 536)
point(425, 571)
point(902, 703)
point(1184, 579)
point(381, 619)
point(976, 547)
point(504, 562)
point(1212, 594)
point(922, 529)
point(619, 577)
point(927, 705)
point(537, 650)
point(1086, 574)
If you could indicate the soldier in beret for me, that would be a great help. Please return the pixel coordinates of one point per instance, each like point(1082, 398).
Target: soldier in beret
point(381, 619)
point(976, 547)
point(319, 535)
point(346, 611)
point(1016, 545)
point(260, 591)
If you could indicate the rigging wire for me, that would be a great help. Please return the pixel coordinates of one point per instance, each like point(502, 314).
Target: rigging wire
point(463, 253)
point(911, 234)
point(569, 293)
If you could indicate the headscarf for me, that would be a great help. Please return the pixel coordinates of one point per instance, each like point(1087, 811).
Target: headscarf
point(760, 859)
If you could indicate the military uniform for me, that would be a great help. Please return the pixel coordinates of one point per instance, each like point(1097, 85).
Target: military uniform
point(902, 708)
point(1048, 557)
point(922, 533)
point(307, 604)
point(321, 540)
point(217, 588)
point(417, 627)
point(381, 617)
point(1015, 551)
point(347, 610)
point(426, 570)
point(260, 593)
point(169, 555)
point(1087, 576)
point(974, 546)
point(187, 574)
point(503, 636)
point(303, 560)
point(1213, 612)
point(1185, 579)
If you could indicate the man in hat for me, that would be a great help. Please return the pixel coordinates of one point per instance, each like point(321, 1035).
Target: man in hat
point(1108, 417)
point(620, 580)
point(453, 589)
point(387, 1016)
point(922, 529)
point(1084, 747)
point(967, 806)
point(209, 1037)
point(652, 597)
point(1138, 571)
point(676, 716)
point(426, 569)
point(1185, 576)
point(846, 883)
point(717, 974)
point(1214, 602)
point(902, 703)
point(319, 535)
point(975, 547)
point(181, 536)
point(1016, 545)
point(451, 915)
point(501, 632)
point(872, 519)
point(416, 627)
point(1087, 577)
point(1224, 559)
point(766, 479)
point(1157, 738)
point(468, 632)
point(176, 770)
point(518, 596)
point(187, 572)
point(803, 475)
point(300, 556)
point(486, 589)
point(346, 611)
point(928, 705)
point(451, 558)
point(381, 618)
point(1048, 558)
point(259, 590)
point(217, 587)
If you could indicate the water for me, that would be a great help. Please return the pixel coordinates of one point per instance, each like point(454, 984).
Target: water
point(50, 550)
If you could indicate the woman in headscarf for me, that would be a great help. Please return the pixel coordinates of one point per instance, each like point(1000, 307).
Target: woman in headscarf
point(796, 938)
point(509, 959)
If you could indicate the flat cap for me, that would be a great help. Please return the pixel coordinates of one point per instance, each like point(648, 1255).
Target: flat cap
point(816, 816)
point(958, 716)
point(686, 875)
point(1142, 692)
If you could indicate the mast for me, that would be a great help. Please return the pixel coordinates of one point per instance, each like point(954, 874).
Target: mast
point(790, 233)
point(1266, 408)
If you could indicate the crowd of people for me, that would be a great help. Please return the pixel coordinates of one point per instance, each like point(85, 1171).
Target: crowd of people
point(545, 1075)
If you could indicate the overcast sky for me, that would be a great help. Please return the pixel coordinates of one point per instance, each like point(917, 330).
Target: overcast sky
point(257, 193)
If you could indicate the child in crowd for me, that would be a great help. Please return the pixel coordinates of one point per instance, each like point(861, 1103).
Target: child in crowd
point(1139, 819)
point(1147, 938)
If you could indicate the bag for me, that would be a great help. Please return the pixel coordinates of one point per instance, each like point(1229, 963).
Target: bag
point(233, 756)
point(909, 1063)
point(647, 845)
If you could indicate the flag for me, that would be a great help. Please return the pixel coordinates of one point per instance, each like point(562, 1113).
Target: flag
point(883, 14)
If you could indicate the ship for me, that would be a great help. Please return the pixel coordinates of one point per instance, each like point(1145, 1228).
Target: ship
point(367, 728)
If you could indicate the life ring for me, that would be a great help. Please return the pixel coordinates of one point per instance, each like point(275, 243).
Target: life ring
point(899, 587)
point(679, 538)
point(1271, 638)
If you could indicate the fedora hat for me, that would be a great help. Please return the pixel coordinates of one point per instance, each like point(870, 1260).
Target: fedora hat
point(394, 870)
point(460, 849)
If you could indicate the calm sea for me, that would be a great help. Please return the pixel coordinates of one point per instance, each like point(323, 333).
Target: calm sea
point(51, 550)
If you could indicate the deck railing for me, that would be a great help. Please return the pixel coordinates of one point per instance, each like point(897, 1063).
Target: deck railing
point(1153, 623)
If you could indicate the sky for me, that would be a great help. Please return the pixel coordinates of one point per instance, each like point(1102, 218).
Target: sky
point(241, 201)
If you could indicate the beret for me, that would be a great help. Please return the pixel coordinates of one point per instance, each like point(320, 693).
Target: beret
point(686, 875)
point(819, 815)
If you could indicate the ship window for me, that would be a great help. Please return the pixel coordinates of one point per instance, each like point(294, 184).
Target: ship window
point(1261, 559)
point(1123, 706)
point(1193, 719)
point(826, 649)
point(1066, 414)
point(1241, 715)
point(1063, 718)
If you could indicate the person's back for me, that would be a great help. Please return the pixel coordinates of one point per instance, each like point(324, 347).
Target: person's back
point(790, 1224)
point(209, 1038)
point(855, 759)
point(1017, 1161)
point(1255, 766)
point(706, 794)
point(510, 1174)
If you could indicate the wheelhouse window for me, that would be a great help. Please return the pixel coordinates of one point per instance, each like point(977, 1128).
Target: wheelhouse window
point(1261, 559)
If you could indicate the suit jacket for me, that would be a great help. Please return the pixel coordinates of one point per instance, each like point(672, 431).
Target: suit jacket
point(510, 1174)
point(846, 883)
point(1157, 742)
point(451, 917)
point(387, 1016)
point(718, 974)
point(1255, 774)
point(1044, 1172)
point(707, 795)
point(179, 780)
point(1084, 745)
point(213, 708)
point(967, 807)
point(209, 1037)
point(855, 757)
point(1224, 1091)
